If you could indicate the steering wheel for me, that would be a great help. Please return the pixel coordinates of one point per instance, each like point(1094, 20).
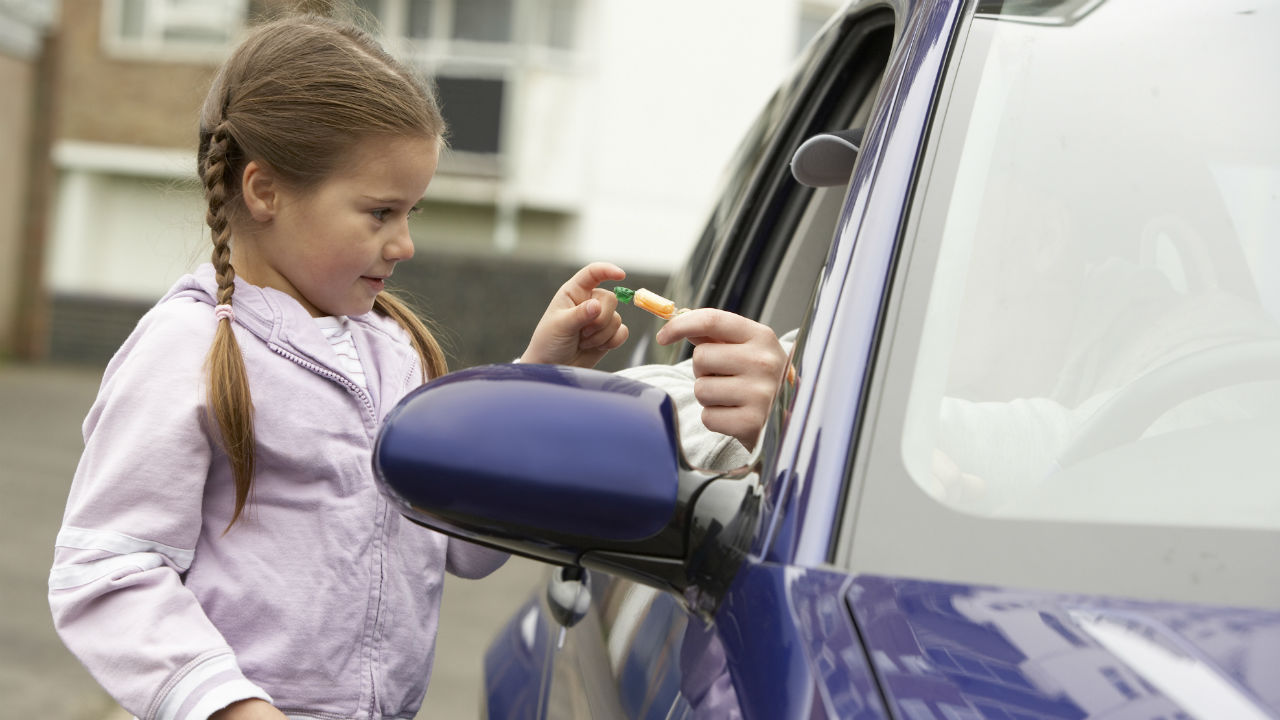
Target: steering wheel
point(1125, 416)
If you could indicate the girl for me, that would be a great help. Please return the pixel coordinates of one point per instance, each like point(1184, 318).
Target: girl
point(224, 551)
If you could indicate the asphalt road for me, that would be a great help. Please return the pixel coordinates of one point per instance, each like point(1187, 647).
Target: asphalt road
point(41, 408)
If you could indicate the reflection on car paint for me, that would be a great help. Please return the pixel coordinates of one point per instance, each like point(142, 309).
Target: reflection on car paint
point(1169, 666)
point(816, 666)
point(967, 651)
point(515, 666)
point(650, 672)
point(831, 643)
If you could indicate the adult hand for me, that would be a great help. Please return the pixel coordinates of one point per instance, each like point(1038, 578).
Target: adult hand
point(581, 324)
point(737, 366)
point(948, 482)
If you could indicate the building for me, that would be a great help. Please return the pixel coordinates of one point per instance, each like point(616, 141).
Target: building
point(580, 130)
point(25, 174)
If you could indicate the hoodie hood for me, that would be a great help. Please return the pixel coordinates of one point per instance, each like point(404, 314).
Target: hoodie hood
point(274, 316)
point(260, 310)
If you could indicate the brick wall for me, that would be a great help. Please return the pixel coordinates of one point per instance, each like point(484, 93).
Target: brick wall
point(121, 100)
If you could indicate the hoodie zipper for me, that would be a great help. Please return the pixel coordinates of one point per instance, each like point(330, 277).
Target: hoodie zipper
point(322, 371)
point(372, 415)
point(377, 615)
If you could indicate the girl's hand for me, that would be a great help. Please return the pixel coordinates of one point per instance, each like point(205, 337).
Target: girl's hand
point(252, 709)
point(581, 324)
point(737, 366)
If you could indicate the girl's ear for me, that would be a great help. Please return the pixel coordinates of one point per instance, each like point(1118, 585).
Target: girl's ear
point(260, 190)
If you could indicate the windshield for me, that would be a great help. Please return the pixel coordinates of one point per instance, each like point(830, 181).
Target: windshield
point(1102, 334)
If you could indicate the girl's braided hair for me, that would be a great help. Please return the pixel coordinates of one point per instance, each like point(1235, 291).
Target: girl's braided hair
point(296, 95)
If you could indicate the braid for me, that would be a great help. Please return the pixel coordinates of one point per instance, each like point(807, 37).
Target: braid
point(215, 189)
point(230, 401)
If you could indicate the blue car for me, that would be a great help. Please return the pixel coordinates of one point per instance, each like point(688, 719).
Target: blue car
point(1028, 464)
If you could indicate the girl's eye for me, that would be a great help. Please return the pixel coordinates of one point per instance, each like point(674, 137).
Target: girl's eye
point(380, 214)
point(415, 209)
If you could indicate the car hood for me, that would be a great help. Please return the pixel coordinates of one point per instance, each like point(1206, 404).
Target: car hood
point(963, 651)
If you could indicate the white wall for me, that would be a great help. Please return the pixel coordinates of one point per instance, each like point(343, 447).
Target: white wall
point(674, 87)
point(124, 235)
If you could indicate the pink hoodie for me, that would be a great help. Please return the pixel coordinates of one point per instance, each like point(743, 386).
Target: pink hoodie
point(322, 598)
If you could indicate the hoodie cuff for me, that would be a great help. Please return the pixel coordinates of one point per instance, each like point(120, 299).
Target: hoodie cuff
point(208, 685)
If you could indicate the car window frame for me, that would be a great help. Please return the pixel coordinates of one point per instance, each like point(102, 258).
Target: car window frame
point(802, 497)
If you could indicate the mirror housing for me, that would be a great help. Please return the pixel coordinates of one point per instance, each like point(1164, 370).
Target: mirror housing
point(568, 466)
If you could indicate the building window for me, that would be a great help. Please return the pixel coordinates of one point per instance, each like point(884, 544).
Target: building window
point(472, 107)
point(477, 51)
point(504, 25)
point(482, 21)
point(200, 28)
point(23, 24)
point(559, 24)
point(422, 19)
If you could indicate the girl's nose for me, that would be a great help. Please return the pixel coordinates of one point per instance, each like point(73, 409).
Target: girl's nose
point(399, 247)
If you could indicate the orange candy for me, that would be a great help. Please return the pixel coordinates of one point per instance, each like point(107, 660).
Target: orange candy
point(655, 303)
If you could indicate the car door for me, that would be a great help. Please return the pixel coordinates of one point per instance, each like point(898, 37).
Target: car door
point(760, 255)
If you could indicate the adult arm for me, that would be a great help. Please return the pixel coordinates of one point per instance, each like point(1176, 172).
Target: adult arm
point(736, 368)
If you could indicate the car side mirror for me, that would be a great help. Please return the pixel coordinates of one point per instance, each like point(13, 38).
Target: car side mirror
point(827, 159)
point(565, 465)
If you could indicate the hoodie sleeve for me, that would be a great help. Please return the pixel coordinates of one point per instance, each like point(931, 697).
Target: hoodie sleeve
point(702, 448)
point(471, 561)
point(129, 532)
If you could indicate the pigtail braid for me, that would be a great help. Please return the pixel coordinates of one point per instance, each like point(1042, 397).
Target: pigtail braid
point(230, 401)
point(430, 354)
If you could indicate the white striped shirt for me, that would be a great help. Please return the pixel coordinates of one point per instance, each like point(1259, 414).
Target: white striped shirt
point(339, 336)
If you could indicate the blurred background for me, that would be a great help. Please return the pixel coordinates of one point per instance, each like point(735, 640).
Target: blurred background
point(580, 130)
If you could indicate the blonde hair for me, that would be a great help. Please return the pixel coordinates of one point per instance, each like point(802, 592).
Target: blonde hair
point(297, 95)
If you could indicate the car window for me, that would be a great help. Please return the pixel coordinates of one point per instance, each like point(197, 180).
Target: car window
point(1082, 356)
point(795, 232)
point(763, 247)
point(1059, 290)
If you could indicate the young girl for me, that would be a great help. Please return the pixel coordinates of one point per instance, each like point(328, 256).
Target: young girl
point(224, 551)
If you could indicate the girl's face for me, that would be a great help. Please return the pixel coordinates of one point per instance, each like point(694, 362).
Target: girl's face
point(333, 246)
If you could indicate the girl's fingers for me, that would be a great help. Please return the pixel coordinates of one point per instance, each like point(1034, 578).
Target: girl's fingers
point(599, 334)
point(604, 326)
point(608, 301)
point(583, 316)
point(583, 283)
point(619, 337)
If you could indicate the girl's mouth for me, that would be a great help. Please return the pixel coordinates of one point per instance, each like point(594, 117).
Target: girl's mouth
point(376, 283)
